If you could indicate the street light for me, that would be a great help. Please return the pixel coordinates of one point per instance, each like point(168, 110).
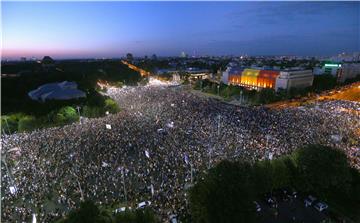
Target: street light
point(78, 110)
point(218, 90)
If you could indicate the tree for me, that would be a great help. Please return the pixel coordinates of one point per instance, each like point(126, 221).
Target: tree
point(323, 169)
point(111, 106)
point(225, 194)
point(88, 213)
point(262, 177)
point(26, 123)
point(139, 216)
point(266, 95)
point(66, 115)
point(281, 173)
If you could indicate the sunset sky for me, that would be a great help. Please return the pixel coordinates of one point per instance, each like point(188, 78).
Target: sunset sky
point(111, 29)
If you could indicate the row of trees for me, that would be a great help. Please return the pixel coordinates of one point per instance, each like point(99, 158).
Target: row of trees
point(226, 193)
point(20, 122)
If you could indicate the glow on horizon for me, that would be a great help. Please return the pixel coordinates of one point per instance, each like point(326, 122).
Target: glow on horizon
point(112, 29)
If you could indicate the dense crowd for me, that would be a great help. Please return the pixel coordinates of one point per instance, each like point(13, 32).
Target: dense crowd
point(163, 136)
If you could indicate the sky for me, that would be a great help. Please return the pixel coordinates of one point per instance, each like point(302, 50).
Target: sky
point(112, 29)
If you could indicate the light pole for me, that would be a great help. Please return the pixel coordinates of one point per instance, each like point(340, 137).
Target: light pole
point(219, 118)
point(267, 144)
point(191, 173)
point(241, 96)
point(78, 110)
point(123, 180)
point(218, 90)
point(209, 164)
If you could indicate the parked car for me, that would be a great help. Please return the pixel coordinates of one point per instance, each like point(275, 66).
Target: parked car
point(320, 206)
point(270, 200)
point(121, 209)
point(290, 193)
point(257, 206)
point(309, 200)
point(144, 204)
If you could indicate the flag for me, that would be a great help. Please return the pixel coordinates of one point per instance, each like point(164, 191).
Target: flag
point(33, 218)
point(108, 126)
point(186, 159)
point(270, 156)
point(170, 125)
point(13, 189)
point(147, 154)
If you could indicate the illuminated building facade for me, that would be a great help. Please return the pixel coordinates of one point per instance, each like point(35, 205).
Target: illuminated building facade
point(259, 79)
point(253, 78)
point(234, 75)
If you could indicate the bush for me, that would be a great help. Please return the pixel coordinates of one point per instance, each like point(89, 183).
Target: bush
point(9, 123)
point(66, 115)
point(27, 123)
point(111, 106)
point(92, 112)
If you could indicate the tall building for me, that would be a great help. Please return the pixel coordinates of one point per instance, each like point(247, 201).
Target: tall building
point(183, 55)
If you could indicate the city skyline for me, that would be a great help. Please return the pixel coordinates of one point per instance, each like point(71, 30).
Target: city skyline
point(93, 29)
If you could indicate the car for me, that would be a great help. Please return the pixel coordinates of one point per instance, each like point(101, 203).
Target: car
point(270, 200)
point(290, 193)
point(257, 206)
point(320, 206)
point(144, 204)
point(121, 209)
point(309, 200)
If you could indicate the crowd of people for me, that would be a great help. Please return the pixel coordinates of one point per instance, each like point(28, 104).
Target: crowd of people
point(154, 149)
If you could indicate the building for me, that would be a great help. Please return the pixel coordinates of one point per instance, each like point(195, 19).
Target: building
point(57, 91)
point(342, 71)
point(348, 71)
point(331, 68)
point(183, 55)
point(234, 76)
point(294, 79)
point(47, 63)
point(267, 78)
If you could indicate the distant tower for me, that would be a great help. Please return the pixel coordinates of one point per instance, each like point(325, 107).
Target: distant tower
point(183, 54)
point(47, 63)
point(129, 57)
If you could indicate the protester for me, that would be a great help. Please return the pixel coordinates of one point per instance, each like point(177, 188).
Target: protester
point(160, 136)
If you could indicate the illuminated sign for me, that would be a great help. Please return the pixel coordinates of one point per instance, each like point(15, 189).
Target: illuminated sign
point(332, 65)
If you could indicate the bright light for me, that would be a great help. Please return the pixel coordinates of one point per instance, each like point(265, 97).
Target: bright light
point(332, 65)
